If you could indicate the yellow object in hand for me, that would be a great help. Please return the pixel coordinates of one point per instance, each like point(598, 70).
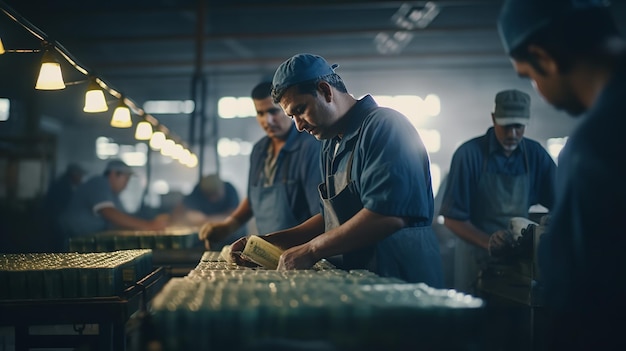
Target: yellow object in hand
point(262, 252)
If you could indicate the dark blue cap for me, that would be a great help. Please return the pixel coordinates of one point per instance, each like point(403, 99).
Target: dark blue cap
point(300, 68)
point(519, 19)
point(75, 168)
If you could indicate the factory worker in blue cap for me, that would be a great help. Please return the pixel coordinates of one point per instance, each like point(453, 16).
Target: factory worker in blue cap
point(376, 193)
point(96, 206)
point(574, 55)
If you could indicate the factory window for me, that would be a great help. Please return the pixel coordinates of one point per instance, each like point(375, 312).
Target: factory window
point(416, 109)
point(169, 106)
point(431, 139)
point(133, 155)
point(233, 107)
point(233, 147)
point(106, 148)
point(5, 105)
point(555, 145)
point(435, 177)
point(160, 187)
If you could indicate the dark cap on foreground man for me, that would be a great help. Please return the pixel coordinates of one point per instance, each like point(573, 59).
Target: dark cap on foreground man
point(575, 57)
point(301, 68)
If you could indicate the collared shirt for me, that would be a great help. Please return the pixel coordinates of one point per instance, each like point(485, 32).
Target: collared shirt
point(82, 215)
point(196, 200)
point(297, 163)
point(269, 169)
point(390, 165)
point(468, 163)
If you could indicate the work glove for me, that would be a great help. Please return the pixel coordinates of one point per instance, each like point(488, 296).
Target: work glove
point(499, 242)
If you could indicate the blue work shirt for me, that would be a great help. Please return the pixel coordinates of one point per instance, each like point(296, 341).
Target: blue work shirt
point(297, 164)
point(54, 204)
point(390, 166)
point(582, 257)
point(468, 162)
point(81, 216)
point(196, 200)
point(58, 196)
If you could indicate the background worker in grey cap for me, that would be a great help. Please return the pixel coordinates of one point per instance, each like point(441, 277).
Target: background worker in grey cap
point(96, 205)
point(376, 190)
point(575, 57)
point(212, 199)
point(492, 179)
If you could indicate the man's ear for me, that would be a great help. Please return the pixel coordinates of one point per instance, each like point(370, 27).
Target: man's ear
point(542, 61)
point(326, 90)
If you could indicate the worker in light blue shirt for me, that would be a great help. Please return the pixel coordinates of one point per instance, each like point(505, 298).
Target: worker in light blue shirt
point(96, 205)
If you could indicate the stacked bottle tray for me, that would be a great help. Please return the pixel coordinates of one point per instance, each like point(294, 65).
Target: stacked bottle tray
point(71, 275)
point(220, 305)
point(169, 238)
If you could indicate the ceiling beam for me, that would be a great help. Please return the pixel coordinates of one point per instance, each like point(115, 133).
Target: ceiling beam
point(281, 35)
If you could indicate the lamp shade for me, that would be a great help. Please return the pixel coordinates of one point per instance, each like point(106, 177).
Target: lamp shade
point(121, 116)
point(177, 151)
point(193, 162)
point(1, 48)
point(168, 147)
point(95, 101)
point(157, 140)
point(143, 131)
point(50, 76)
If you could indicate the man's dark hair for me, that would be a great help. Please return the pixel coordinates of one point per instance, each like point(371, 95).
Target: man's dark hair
point(577, 36)
point(310, 86)
point(262, 90)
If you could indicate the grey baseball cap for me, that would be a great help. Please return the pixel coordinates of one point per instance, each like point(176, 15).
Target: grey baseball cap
point(512, 107)
point(301, 68)
point(211, 184)
point(519, 19)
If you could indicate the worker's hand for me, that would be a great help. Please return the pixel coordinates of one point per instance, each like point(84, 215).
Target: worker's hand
point(216, 231)
point(192, 217)
point(297, 257)
point(160, 222)
point(499, 242)
point(236, 249)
